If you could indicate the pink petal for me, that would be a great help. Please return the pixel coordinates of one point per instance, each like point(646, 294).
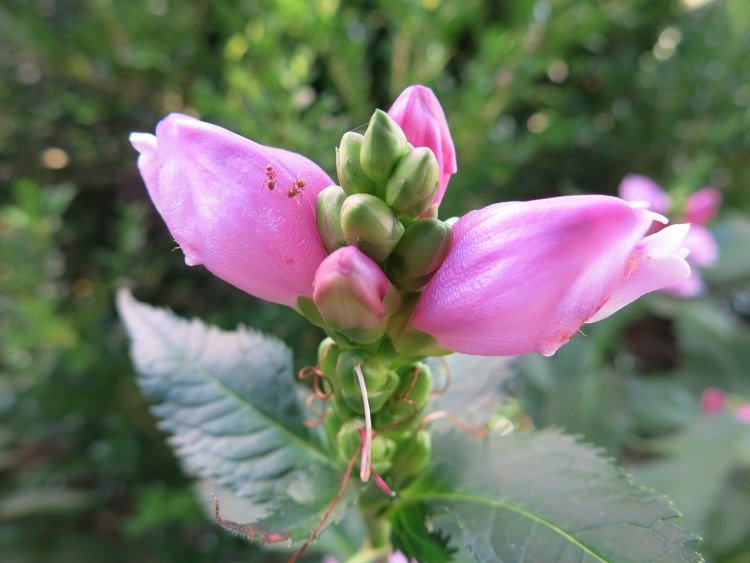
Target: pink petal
point(641, 188)
point(420, 115)
point(692, 286)
point(522, 277)
point(701, 206)
point(656, 261)
point(702, 246)
point(209, 185)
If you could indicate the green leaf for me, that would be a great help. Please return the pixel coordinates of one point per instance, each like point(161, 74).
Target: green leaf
point(411, 536)
point(704, 456)
point(543, 497)
point(228, 400)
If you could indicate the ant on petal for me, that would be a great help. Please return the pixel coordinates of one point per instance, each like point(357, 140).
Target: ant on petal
point(296, 188)
point(270, 182)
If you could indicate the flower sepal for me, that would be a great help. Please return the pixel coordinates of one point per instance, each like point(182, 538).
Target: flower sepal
point(383, 144)
point(370, 225)
point(352, 176)
point(328, 217)
point(380, 380)
point(413, 184)
point(419, 253)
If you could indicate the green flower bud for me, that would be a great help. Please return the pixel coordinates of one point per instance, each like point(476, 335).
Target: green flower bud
point(351, 175)
point(369, 224)
point(412, 457)
point(380, 381)
point(413, 184)
point(406, 340)
point(328, 217)
point(348, 440)
point(412, 392)
point(383, 145)
point(419, 253)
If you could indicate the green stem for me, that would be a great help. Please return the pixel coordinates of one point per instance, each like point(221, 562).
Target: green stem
point(378, 531)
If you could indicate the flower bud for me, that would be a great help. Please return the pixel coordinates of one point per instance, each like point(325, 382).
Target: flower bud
point(380, 381)
point(410, 397)
point(349, 439)
point(418, 113)
point(369, 224)
point(413, 183)
point(383, 144)
point(420, 251)
point(412, 457)
point(353, 295)
point(351, 175)
point(328, 217)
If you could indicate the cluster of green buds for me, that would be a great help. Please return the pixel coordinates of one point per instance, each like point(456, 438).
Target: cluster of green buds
point(395, 399)
point(384, 245)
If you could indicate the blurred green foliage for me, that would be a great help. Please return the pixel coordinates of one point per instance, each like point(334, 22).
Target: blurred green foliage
point(543, 97)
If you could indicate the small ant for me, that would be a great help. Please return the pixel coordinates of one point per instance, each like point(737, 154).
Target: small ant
point(270, 183)
point(296, 188)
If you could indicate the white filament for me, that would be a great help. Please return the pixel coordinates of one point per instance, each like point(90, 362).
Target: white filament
point(364, 468)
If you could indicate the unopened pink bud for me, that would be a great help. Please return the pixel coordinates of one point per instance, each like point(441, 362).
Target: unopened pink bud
point(419, 114)
point(243, 210)
point(523, 277)
point(353, 294)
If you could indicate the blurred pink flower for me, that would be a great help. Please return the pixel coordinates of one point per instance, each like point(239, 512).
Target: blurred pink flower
point(713, 400)
point(523, 277)
point(419, 114)
point(699, 209)
point(742, 413)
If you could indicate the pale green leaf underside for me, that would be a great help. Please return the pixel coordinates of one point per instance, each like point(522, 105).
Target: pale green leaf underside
point(474, 387)
point(228, 400)
point(544, 497)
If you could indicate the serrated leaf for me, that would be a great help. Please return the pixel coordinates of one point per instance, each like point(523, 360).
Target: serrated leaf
point(703, 455)
point(543, 497)
point(411, 536)
point(228, 400)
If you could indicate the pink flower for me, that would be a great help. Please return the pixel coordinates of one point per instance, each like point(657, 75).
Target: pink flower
point(743, 413)
point(699, 209)
point(419, 114)
point(713, 400)
point(641, 188)
point(523, 277)
point(212, 188)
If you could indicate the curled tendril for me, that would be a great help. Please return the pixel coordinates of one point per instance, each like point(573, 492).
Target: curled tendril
point(321, 416)
point(479, 432)
point(320, 382)
point(447, 368)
